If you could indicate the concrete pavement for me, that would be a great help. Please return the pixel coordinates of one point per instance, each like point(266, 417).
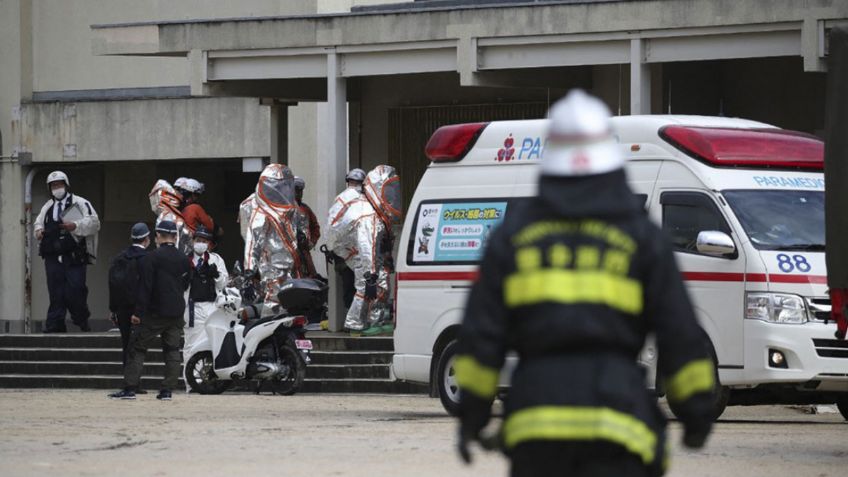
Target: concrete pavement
point(82, 433)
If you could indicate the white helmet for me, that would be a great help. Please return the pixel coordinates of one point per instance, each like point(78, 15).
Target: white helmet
point(189, 185)
point(58, 176)
point(580, 140)
point(355, 175)
point(194, 186)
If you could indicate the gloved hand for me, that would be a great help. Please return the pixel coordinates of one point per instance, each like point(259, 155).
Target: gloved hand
point(474, 414)
point(213, 272)
point(695, 433)
point(370, 286)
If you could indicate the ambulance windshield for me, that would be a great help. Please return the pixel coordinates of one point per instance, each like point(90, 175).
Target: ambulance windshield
point(780, 219)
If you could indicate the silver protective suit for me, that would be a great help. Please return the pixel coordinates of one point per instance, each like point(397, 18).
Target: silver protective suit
point(360, 226)
point(268, 220)
point(165, 202)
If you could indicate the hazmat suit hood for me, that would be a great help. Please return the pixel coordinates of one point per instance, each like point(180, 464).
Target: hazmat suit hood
point(276, 186)
point(382, 189)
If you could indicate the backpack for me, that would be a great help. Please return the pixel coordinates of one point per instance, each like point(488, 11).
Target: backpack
point(123, 282)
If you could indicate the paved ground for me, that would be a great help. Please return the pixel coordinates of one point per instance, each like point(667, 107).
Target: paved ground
point(81, 433)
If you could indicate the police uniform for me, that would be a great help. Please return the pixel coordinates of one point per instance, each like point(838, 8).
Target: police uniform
point(573, 281)
point(66, 255)
point(207, 279)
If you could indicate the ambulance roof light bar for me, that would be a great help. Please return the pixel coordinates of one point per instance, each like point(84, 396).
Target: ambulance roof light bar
point(451, 143)
point(761, 147)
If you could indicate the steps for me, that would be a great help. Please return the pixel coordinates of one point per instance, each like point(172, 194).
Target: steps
point(340, 364)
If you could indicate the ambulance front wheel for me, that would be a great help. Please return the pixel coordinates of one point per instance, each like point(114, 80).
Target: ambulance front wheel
point(842, 405)
point(446, 379)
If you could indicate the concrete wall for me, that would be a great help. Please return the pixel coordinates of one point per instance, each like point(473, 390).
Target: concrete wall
point(146, 129)
point(62, 53)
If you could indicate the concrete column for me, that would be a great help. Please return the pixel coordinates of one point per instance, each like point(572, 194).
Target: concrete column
point(640, 79)
point(279, 133)
point(333, 165)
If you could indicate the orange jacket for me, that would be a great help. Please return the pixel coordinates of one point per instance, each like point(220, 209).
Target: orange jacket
point(194, 215)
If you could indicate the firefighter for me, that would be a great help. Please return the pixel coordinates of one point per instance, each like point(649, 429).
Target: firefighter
point(269, 227)
point(360, 229)
point(572, 281)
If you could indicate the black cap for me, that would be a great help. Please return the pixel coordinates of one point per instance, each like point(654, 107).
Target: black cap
point(139, 231)
point(203, 232)
point(166, 227)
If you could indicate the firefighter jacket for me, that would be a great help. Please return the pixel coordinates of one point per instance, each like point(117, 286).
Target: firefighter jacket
point(573, 281)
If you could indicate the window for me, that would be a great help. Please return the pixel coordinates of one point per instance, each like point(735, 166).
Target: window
point(686, 214)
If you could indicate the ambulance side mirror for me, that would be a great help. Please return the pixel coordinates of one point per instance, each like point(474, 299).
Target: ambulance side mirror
point(715, 243)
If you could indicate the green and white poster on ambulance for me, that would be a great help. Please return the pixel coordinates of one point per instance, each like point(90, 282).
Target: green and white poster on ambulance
point(455, 232)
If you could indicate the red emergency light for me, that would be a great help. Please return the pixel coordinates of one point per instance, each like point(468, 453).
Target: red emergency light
point(452, 143)
point(729, 147)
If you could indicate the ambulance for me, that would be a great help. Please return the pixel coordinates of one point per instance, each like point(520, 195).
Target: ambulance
point(742, 202)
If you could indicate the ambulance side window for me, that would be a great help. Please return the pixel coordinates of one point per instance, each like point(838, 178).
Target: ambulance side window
point(686, 214)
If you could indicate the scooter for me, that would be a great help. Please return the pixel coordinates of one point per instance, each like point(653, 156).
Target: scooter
point(240, 344)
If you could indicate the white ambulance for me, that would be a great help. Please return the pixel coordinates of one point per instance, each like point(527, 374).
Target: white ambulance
point(742, 201)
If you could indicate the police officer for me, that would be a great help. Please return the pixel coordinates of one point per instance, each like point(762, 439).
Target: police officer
point(159, 311)
point(207, 279)
point(573, 280)
point(67, 229)
point(124, 281)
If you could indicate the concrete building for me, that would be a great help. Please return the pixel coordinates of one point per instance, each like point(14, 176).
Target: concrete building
point(324, 85)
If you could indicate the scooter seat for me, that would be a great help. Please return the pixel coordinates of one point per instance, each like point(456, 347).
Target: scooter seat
point(254, 323)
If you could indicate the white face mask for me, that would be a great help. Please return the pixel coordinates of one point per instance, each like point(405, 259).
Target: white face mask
point(200, 247)
point(59, 193)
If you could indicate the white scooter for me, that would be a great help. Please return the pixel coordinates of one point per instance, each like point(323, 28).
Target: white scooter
point(242, 344)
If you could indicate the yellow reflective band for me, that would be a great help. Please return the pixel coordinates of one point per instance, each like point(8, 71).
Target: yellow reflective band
point(475, 378)
point(573, 287)
point(581, 424)
point(695, 377)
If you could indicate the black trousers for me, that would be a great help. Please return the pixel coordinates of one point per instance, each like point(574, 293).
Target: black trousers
point(125, 326)
point(574, 459)
point(348, 286)
point(144, 336)
point(68, 293)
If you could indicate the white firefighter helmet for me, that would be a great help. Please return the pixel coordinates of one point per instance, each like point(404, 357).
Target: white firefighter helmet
point(58, 176)
point(580, 139)
point(194, 186)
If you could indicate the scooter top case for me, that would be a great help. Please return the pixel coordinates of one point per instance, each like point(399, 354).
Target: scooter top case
point(302, 296)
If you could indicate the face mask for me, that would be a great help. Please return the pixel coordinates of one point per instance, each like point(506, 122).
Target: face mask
point(200, 247)
point(59, 193)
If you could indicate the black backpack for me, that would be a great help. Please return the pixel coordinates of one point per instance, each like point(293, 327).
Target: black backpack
point(123, 282)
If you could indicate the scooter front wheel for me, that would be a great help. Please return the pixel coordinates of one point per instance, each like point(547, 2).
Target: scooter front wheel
point(201, 377)
point(291, 382)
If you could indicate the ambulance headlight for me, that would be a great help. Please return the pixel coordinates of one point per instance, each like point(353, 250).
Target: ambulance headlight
point(775, 308)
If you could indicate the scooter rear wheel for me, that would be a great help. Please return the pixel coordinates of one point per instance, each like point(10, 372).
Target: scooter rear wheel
point(291, 383)
point(200, 375)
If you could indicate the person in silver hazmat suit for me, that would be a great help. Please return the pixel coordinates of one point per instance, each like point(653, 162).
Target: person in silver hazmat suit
point(361, 231)
point(268, 220)
point(165, 202)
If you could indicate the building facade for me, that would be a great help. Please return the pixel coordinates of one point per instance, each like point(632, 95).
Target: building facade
point(121, 93)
